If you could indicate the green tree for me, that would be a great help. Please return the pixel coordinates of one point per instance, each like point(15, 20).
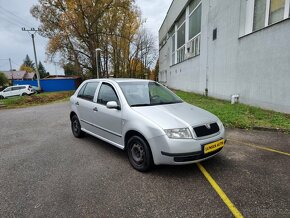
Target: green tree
point(42, 70)
point(3, 79)
point(28, 62)
point(70, 70)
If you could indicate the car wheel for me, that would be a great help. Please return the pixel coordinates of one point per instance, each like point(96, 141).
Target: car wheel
point(23, 94)
point(139, 154)
point(76, 127)
point(1, 97)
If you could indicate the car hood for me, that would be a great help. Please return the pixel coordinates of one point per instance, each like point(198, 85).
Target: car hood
point(178, 115)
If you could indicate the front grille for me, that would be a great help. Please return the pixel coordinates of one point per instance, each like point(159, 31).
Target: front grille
point(205, 130)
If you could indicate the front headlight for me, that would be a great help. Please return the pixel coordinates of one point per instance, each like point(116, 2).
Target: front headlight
point(183, 133)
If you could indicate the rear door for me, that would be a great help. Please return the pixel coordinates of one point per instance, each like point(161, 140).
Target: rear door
point(85, 105)
point(20, 90)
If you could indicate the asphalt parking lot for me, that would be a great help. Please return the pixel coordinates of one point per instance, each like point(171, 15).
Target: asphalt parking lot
point(46, 172)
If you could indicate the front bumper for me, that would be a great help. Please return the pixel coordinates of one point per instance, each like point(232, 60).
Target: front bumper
point(181, 151)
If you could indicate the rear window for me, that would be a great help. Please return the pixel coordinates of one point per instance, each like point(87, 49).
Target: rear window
point(88, 90)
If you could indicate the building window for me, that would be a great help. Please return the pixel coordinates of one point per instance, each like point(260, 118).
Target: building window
point(276, 11)
point(181, 38)
point(194, 27)
point(193, 5)
point(267, 12)
point(195, 22)
point(173, 49)
point(181, 43)
point(259, 14)
point(186, 38)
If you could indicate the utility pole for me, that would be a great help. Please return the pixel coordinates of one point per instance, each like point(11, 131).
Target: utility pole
point(97, 60)
point(10, 64)
point(11, 70)
point(32, 32)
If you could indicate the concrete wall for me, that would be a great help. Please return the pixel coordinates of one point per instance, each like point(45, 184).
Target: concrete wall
point(255, 66)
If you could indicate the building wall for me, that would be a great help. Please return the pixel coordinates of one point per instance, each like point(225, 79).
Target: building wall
point(255, 66)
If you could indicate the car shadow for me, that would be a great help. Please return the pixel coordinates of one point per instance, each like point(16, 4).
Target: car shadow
point(169, 171)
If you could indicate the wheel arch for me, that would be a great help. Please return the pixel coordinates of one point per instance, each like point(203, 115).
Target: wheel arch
point(72, 113)
point(131, 133)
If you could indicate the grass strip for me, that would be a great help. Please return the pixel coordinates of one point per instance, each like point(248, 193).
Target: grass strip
point(238, 115)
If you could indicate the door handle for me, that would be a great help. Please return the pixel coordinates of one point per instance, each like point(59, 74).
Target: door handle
point(95, 109)
point(77, 103)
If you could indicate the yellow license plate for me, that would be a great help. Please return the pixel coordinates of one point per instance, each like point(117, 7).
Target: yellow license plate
point(214, 146)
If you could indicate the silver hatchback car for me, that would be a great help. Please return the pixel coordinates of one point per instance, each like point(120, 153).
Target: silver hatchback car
point(147, 120)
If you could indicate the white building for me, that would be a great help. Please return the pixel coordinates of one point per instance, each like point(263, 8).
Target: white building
point(229, 47)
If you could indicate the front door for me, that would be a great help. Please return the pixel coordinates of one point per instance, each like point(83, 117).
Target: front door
point(108, 121)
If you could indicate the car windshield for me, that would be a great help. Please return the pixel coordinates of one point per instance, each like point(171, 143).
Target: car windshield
point(144, 93)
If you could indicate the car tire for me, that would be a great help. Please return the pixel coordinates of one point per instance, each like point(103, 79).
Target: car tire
point(139, 154)
point(24, 94)
point(1, 97)
point(76, 127)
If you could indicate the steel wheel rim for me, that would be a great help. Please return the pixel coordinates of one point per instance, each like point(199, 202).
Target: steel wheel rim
point(75, 126)
point(138, 153)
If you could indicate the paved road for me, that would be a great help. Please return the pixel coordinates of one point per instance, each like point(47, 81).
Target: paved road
point(46, 172)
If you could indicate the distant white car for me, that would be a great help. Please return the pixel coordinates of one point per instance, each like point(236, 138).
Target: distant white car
point(19, 90)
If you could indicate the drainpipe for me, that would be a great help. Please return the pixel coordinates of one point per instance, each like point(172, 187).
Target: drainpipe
point(206, 72)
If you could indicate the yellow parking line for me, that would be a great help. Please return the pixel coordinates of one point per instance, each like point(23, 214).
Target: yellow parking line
point(260, 147)
point(220, 192)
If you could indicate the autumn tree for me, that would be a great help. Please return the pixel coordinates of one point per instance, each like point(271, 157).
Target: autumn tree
point(145, 51)
point(75, 28)
point(154, 72)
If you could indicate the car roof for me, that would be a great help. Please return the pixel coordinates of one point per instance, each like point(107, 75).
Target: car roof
point(120, 80)
point(17, 85)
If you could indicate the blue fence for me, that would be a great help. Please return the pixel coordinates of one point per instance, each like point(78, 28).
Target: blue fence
point(51, 85)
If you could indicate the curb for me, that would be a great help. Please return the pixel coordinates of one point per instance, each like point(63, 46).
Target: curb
point(270, 129)
point(257, 128)
point(2, 105)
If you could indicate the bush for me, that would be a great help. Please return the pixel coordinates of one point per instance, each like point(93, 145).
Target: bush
point(3, 79)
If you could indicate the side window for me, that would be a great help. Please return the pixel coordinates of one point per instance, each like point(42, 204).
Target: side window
point(106, 94)
point(81, 92)
point(88, 91)
point(15, 88)
point(8, 89)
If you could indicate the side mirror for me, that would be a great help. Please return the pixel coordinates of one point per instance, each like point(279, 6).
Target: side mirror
point(113, 105)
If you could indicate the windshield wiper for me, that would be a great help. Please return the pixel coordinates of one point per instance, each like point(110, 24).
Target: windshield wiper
point(140, 105)
point(171, 102)
point(155, 104)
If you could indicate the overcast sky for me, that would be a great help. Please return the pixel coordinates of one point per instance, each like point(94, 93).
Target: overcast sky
point(15, 44)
